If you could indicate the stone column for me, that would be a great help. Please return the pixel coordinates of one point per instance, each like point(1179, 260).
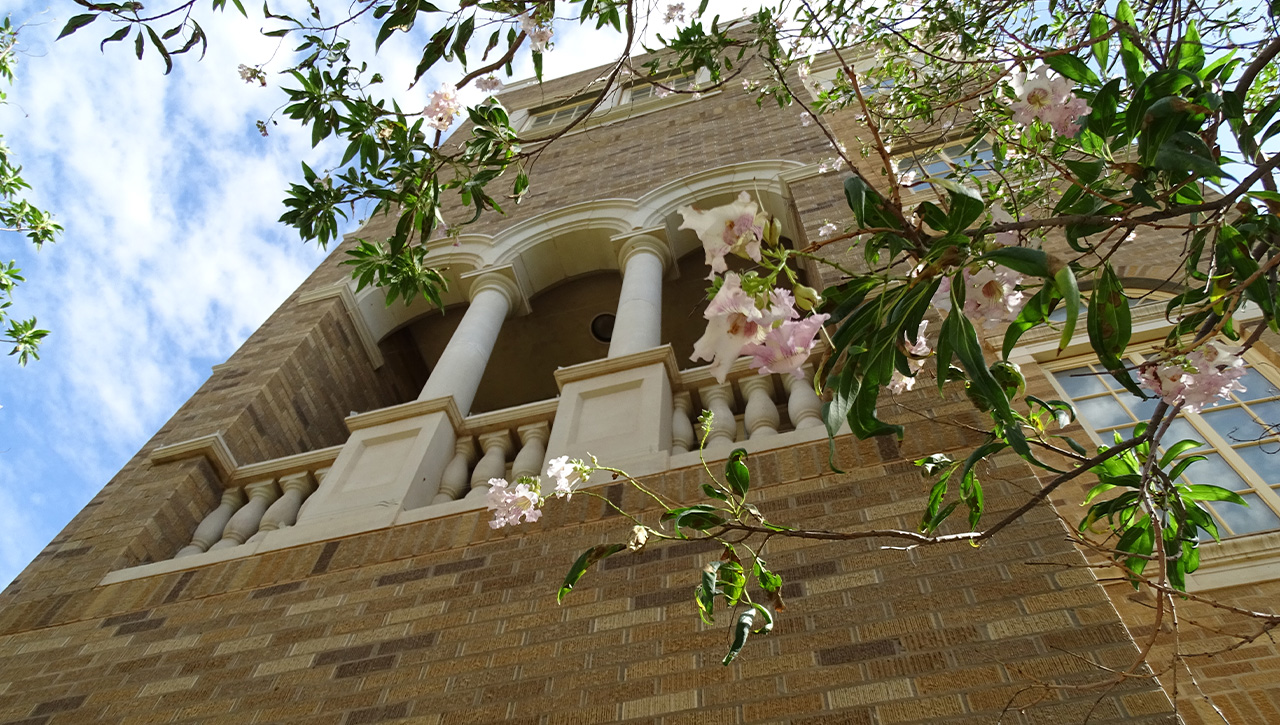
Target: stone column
point(718, 398)
point(760, 415)
point(458, 371)
point(638, 324)
point(803, 406)
point(244, 523)
point(210, 529)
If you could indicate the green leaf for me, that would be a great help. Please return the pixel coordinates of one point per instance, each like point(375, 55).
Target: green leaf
point(704, 595)
point(1189, 52)
point(713, 492)
point(741, 629)
point(584, 562)
point(1205, 492)
point(1178, 449)
point(966, 205)
point(1033, 262)
point(1098, 26)
point(1072, 67)
point(1065, 282)
point(118, 35)
point(75, 23)
point(1110, 327)
point(736, 473)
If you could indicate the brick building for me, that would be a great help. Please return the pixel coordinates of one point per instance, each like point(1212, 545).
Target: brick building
point(185, 591)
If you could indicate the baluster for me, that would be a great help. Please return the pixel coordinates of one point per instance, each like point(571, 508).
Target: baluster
point(761, 414)
point(493, 464)
point(803, 406)
point(210, 529)
point(244, 523)
point(681, 429)
point(453, 482)
point(718, 397)
point(533, 449)
point(295, 487)
point(318, 475)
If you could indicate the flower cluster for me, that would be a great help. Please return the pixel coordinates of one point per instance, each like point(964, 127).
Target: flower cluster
point(828, 230)
point(510, 503)
point(1049, 99)
point(1198, 378)
point(539, 35)
point(252, 75)
point(748, 315)
point(442, 106)
point(523, 500)
point(675, 13)
point(991, 295)
point(489, 84)
point(916, 353)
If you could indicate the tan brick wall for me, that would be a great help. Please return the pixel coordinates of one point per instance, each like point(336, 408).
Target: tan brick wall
point(448, 621)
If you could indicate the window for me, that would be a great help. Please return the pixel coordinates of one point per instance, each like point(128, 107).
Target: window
point(644, 90)
point(561, 113)
point(1242, 436)
point(975, 161)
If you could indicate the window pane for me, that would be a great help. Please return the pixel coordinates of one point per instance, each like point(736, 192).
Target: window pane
point(1180, 430)
point(1214, 471)
point(1257, 517)
point(1142, 408)
point(1256, 386)
point(1080, 382)
point(1264, 460)
point(1103, 412)
point(1234, 424)
point(1269, 412)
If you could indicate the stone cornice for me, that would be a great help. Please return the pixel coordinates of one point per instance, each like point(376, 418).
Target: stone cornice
point(212, 447)
point(406, 410)
point(663, 354)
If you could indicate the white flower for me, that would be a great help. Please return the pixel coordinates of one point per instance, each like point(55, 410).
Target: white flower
point(442, 106)
point(565, 473)
point(675, 12)
point(539, 35)
point(489, 84)
point(827, 230)
point(736, 227)
point(733, 321)
point(805, 119)
point(1049, 99)
point(1197, 379)
point(511, 503)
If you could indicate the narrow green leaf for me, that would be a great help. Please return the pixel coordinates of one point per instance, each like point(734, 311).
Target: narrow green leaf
point(736, 472)
point(584, 562)
point(75, 23)
point(741, 629)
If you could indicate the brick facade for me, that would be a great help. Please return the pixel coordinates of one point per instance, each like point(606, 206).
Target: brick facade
point(447, 621)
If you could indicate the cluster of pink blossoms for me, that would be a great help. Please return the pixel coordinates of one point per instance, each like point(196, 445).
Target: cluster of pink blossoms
point(489, 83)
point(1049, 99)
point(770, 330)
point(916, 353)
point(1196, 379)
point(442, 106)
point(763, 322)
point(991, 295)
point(523, 500)
point(539, 35)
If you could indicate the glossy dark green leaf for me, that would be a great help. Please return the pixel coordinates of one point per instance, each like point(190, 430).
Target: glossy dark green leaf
point(1099, 24)
point(741, 629)
point(736, 472)
point(1072, 67)
point(1033, 262)
point(1065, 282)
point(584, 562)
point(75, 23)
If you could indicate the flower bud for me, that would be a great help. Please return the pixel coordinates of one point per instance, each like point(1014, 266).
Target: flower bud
point(807, 298)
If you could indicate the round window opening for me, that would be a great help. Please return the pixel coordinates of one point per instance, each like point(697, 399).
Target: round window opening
point(602, 327)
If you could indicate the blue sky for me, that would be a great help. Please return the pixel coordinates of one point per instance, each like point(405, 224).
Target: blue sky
point(172, 254)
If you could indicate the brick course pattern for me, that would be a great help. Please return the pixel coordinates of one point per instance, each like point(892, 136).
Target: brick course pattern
point(416, 626)
point(446, 621)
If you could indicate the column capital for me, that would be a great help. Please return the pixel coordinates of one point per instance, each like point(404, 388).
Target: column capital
point(627, 247)
point(502, 279)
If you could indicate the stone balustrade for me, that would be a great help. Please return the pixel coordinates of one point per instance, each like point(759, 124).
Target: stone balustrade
point(261, 498)
point(746, 407)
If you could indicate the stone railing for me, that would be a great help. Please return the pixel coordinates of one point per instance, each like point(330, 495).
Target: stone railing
point(423, 460)
point(260, 498)
point(747, 406)
point(507, 443)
